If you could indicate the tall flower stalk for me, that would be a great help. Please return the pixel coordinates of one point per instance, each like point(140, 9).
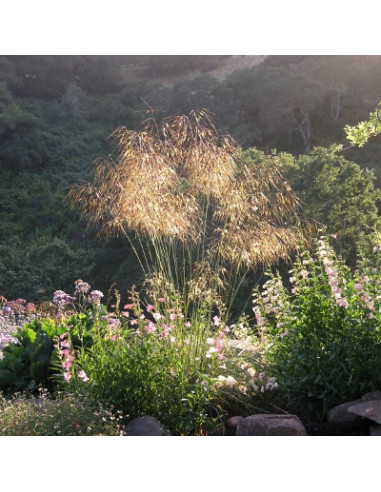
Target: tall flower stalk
point(202, 218)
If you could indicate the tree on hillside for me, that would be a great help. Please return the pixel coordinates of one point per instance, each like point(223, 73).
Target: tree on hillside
point(338, 194)
point(280, 100)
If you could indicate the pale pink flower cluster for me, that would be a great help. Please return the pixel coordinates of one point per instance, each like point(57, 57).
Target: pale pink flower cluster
point(95, 297)
point(271, 296)
point(61, 299)
point(259, 384)
point(216, 345)
point(67, 355)
point(366, 299)
point(82, 375)
point(81, 287)
point(226, 381)
point(258, 381)
point(258, 316)
point(333, 275)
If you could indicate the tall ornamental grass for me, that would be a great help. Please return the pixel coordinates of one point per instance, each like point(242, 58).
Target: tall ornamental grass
point(197, 216)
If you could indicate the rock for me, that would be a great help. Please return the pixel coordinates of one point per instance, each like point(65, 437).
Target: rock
point(373, 395)
point(145, 426)
point(375, 430)
point(369, 409)
point(231, 425)
point(271, 425)
point(340, 413)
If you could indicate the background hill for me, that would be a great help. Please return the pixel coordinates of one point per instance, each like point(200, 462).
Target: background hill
point(56, 113)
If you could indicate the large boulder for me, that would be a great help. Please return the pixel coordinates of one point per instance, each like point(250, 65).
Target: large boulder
point(340, 413)
point(368, 409)
point(271, 425)
point(145, 426)
point(373, 395)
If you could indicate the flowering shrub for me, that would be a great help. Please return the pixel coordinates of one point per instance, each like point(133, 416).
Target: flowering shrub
point(322, 332)
point(151, 360)
point(144, 358)
point(34, 346)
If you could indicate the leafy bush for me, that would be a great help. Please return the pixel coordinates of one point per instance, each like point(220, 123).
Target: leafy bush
point(27, 362)
point(322, 338)
point(63, 416)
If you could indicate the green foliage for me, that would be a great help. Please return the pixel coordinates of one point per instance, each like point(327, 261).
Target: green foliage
point(322, 338)
point(27, 362)
point(61, 416)
point(339, 195)
point(363, 131)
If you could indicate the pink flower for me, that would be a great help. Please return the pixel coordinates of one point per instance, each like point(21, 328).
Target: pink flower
point(150, 327)
point(67, 376)
point(216, 320)
point(219, 344)
point(342, 302)
point(82, 287)
point(161, 299)
point(157, 316)
point(96, 296)
point(83, 376)
point(128, 306)
point(149, 308)
point(67, 364)
point(230, 381)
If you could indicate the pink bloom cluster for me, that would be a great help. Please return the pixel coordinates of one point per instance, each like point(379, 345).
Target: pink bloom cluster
point(95, 297)
point(216, 345)
point(81, 287)
point(258, 316)
point(67, 355)
point(366, 299)
point(260, 384)
point(61, 299)
point(271, 296)
point(19, 306)
point(157, 323)
point(332, 273)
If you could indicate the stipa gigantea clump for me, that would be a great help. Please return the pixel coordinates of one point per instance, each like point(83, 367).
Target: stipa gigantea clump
point(201, 215)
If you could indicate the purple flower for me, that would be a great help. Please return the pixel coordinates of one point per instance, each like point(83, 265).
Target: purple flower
point(61, 299)
point(96, 296)
point(82, 287)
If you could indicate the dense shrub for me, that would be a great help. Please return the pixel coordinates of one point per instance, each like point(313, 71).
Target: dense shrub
point(322, 331)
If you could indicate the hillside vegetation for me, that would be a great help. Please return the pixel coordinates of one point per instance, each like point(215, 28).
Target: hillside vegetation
point(57, 112)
